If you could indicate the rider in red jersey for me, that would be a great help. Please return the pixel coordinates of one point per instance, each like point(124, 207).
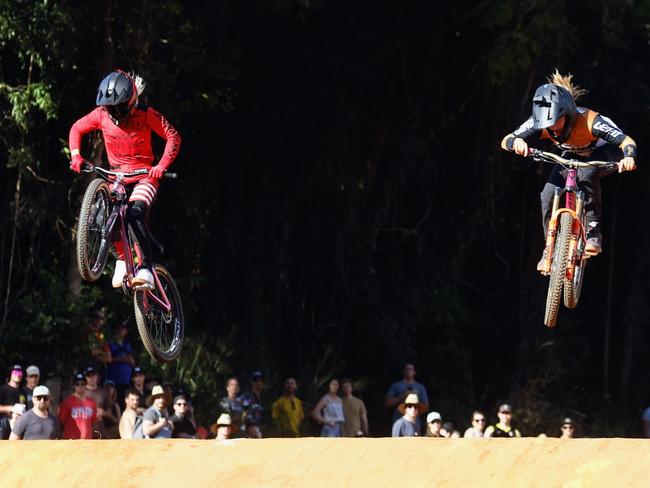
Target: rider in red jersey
point(126, 127)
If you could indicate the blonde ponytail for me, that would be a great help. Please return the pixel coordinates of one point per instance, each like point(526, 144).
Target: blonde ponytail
point(566, 81)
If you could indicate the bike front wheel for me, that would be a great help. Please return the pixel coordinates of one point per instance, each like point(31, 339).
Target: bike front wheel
point(92, 243)
point(573, 287)
point(161, 330)
point(558, 270)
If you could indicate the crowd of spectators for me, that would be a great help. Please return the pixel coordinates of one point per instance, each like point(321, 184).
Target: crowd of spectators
point(113, 398)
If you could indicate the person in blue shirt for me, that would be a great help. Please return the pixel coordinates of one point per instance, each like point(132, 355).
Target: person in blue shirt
point(399, 390)
point(121, 366)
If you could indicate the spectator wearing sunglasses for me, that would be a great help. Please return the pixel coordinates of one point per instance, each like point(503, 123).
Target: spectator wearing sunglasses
point(184, 427)
point(503, 428)
point(408, 425)
point(478, 426)
point(78, 412)
point(567, 428)
point(287, 411)
point(37, 423)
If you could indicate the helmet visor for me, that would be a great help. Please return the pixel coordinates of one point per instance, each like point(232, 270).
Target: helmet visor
point(119, 111)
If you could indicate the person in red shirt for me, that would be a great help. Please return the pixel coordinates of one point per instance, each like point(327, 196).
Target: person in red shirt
point(126, 126)
point(78, 412)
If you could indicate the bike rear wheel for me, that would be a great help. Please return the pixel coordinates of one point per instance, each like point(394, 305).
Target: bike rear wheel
point(161, 331)
point(573, 287)
point(92, 247)
point(558, 270)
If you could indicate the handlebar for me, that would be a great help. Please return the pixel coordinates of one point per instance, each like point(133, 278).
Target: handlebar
point(91, 168)
point(548, 157)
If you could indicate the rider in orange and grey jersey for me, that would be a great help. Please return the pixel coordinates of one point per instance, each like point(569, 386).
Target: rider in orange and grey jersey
point(585, 135)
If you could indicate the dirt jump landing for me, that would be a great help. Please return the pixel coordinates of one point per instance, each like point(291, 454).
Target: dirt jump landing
point(410, 462)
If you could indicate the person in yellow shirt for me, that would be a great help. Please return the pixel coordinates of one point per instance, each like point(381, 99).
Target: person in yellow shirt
point(287, 411)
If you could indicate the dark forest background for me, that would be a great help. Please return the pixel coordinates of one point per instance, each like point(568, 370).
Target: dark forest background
point(343, 206)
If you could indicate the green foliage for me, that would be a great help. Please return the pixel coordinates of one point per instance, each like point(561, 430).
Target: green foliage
point(24, 98)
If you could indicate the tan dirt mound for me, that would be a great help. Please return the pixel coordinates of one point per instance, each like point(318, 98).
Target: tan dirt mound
point(411, 462)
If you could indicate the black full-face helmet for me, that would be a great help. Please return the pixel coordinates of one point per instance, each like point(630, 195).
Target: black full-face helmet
point(118, 94)
point(551, 103)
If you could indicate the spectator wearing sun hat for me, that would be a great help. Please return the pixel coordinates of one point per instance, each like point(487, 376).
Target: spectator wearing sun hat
point(10, 392)
point(223, 427)
point(37, 423)
point(408, 425)
point(156, 424)
point(503, 428)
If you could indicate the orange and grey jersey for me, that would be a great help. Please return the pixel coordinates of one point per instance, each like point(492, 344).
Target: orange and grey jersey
point(591, 130)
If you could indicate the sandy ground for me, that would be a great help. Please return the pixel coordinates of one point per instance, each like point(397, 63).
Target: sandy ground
point(405, 462)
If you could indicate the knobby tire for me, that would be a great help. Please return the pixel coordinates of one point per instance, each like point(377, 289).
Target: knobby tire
point(161, 332)
point(558, 270)
point(92, 249)
point(573, 287)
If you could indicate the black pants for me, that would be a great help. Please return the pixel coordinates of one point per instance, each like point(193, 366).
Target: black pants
point(588, 182)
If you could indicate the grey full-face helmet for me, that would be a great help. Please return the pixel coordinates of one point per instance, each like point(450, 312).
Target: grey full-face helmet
point(118, 94)
point(550, 103)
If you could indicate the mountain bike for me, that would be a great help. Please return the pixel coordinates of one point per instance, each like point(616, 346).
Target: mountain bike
point(565, 258)
point(158, 311)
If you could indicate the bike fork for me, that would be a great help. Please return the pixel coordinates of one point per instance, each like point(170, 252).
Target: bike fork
point(577, 232)
point(552, 232)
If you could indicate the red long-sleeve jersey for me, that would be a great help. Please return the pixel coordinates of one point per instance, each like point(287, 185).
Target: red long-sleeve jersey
point(128, 145)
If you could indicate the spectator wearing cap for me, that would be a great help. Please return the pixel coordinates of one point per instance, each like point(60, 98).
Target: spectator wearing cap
point(156, 424)
point(434, 424)
point(100, 352)
point(567, 428)
point(78, 412)
point(184, 427)
point(328, 412)
point(478, 425)
point(37, 423)
point(354, 411)
point(231, 403)
point(399, 390)
point(7, 423)
point(112, 412)
point(97, 393)
point(287, 411)
point(122, 362)
point(137, 380)
point(10, 392)
point(252, 404)
point(408, 425)
point(130, 414)
point(33, 376)
point(503, 428)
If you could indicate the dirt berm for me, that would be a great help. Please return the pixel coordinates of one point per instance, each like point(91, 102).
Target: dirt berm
point(405, 462)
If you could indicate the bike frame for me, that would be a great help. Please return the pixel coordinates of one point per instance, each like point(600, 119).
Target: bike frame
point(574, 206)
point(119, 204)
